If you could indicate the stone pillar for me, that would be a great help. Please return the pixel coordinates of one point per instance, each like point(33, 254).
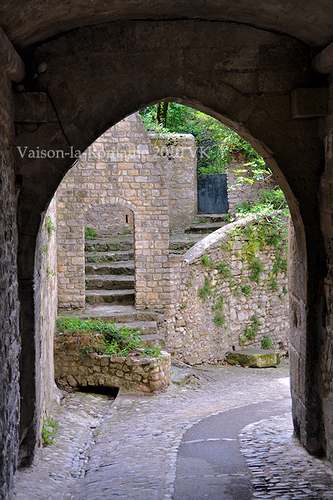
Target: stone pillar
point(176, 155)
point(327, 229)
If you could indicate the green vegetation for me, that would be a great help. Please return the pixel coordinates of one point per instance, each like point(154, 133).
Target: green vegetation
point(90, 233)
point(215, 142)
point(251, 330)
point(223, 268)
point(219, 319)
point(44, 250)
point(49, 431)
point(206, 290)
point(207, 261)
point(50, 272)
point(246, 290)
point(88, 336)
point(266, 342)
point(49, 226)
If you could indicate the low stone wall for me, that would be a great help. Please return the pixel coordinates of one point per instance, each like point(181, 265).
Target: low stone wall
point(131, 374)
point(217, 303)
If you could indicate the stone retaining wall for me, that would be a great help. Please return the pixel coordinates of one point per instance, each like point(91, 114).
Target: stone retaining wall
point(131, 374)
point(204, 326)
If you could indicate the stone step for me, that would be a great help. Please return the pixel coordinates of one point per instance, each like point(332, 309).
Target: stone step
point(152, 340)
point(205, 228)
point(120, 243)
point(125, 297)
point(102, 257)
point(124, 268)
point(109, 282)
point(115, 313)
point(203, 218)
point(148, 327)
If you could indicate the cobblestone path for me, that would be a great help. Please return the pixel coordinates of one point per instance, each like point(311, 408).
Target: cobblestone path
point(128, 449)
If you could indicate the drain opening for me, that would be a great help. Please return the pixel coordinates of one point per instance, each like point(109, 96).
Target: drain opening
point(110, 392)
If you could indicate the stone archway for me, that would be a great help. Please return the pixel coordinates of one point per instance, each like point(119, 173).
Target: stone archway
point(240, 75)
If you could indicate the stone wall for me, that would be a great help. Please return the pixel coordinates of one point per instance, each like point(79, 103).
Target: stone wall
point(9, 306)
point(46, 303)
point(176, 155)
point(131, 374)
point(239, 192)
point(217, 298)
point(122, 170)
point(109, 220)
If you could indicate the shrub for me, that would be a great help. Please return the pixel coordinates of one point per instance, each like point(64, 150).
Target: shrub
point(88, 336)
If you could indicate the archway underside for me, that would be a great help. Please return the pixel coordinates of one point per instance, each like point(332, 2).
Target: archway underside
point(242, 76)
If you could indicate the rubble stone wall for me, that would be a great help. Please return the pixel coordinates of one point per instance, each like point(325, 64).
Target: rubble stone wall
point(131, 374)
point(218, 301)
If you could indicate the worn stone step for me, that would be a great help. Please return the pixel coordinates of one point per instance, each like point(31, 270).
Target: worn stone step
point(152, 340)
point(109, 268)
point(109, 245)
point(109, 282)
point(115, 313)
point(205, 228)
point(203, 218)
point(110, 296)
point(103, 257)
point(148, 327)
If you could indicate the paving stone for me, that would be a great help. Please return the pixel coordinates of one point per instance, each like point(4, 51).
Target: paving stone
point(131, 453)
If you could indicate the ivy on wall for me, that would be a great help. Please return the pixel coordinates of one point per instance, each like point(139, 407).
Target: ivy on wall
point(269, 230)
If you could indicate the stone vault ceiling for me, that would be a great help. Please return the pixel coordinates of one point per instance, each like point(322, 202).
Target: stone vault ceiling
point(28, 22)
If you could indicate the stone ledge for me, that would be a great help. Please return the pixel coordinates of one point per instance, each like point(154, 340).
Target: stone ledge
point(132, 374)
point(254, 358)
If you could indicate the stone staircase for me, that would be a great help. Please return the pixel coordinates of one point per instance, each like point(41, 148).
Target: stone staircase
point(110, 292)
point(110, 285)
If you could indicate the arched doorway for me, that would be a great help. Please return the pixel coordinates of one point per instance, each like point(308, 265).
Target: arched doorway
point(231, 86)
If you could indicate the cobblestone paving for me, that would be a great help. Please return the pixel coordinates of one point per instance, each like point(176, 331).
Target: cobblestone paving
point(128, 449)
point(280, 466)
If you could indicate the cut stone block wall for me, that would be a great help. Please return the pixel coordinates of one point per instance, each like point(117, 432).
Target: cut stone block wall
point(131, 374)
point(177, 156)
point(121, 169)
point(204, 329)
point(239, 192)
point(109, 220)
point(46, 303)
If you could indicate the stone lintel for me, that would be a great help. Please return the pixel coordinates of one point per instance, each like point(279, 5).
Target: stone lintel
point(10, 59)
point(30, 107)
point(323, 62)
point(309, 103)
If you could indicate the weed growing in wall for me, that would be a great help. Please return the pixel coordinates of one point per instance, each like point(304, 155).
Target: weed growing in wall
point(206, 290)
point(49, 226)
point(266, 342)
point(49, 431)
point(267, 232)
point(90, 233)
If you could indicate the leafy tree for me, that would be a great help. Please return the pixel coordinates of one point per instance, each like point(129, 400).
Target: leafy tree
point(215, 142)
